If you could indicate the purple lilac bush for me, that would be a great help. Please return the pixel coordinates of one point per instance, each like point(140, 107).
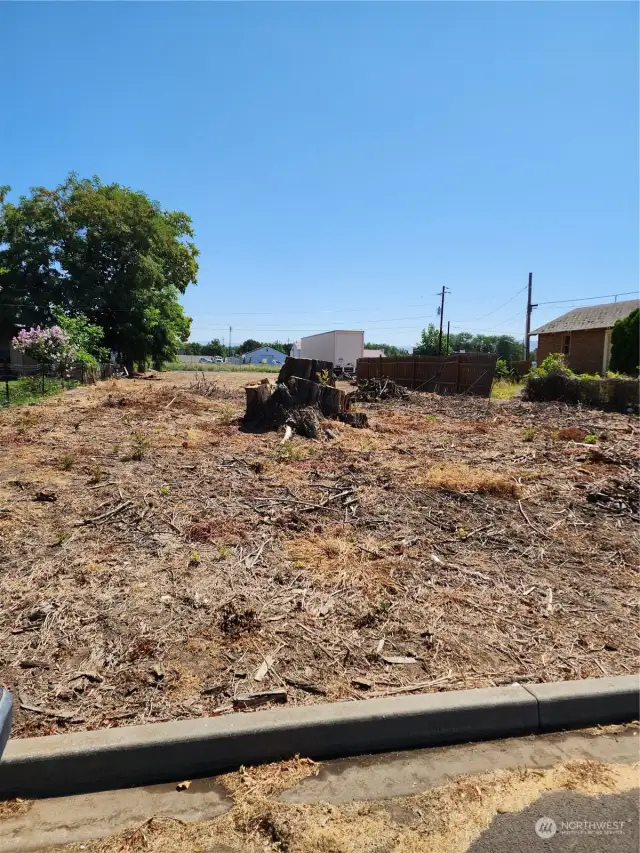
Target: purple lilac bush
point(47, 346)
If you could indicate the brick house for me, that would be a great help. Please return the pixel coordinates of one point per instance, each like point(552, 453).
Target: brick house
point(583, 335)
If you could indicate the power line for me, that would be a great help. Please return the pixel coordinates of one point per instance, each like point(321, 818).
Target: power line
point(482, 316)
point(491, 328)
point(589, 298)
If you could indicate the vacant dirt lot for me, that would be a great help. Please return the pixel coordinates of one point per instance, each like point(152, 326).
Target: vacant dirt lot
point(157, 562)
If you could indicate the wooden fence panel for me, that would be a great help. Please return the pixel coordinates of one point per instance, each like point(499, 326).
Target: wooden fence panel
point(465, 373)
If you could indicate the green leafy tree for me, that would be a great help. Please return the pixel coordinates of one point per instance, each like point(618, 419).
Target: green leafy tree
point(190, 348)
point(625, 344)
point(85, 336)
point(281, 347)
point(428, 344)
point(249, 345)
point(505, 346)
point(214, 347)
point(104, 251)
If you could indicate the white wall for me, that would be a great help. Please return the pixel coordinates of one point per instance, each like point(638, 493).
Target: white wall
point(349, 347)
point(340, 347)
point(321, 346)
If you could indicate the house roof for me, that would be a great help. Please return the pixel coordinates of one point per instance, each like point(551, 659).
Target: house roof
point(264, 349)
point(593, 317)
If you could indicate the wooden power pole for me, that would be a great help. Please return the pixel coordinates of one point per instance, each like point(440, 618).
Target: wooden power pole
point(530, 307)
point(444, 290)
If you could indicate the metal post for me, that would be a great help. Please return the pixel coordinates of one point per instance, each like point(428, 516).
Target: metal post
point(43, 380)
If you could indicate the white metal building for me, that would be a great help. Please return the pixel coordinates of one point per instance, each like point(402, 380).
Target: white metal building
point(341, 347)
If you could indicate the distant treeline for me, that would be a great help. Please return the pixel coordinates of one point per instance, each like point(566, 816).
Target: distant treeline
point(216, 347)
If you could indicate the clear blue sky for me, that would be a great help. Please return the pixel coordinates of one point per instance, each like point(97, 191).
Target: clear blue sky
point(342, 162)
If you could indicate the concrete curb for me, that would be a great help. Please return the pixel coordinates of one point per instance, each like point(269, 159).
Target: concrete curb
point(162, 752)
point(571, 704)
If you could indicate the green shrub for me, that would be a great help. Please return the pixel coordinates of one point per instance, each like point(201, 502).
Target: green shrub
point(555, 363)
point(625, 344)
point(502, 369)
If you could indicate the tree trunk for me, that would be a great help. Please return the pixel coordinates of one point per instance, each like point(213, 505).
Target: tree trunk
point(307, 368)
point(257, 396)
point(329, 400)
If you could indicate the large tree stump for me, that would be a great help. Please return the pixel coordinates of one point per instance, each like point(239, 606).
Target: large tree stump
point(329, 400)
point(298, 403)
point(307, 368)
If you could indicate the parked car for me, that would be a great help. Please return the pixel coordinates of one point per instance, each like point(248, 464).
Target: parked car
point(206, 359)
point(217, 359)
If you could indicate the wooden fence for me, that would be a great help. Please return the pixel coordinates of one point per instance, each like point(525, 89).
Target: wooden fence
point(463, 373)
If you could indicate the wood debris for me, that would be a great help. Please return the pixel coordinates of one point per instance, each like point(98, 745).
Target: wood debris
point(253, 700)
point(345, 551)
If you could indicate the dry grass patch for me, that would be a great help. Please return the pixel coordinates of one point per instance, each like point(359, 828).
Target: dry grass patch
point(335, 560)
point(457, 477)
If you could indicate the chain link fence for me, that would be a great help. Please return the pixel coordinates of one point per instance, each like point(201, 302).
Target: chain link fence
point(27, 383)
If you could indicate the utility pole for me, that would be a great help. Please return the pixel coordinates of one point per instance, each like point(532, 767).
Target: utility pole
point(229, 341)
point(448, 329)
point(444, 290)
point(530, 307)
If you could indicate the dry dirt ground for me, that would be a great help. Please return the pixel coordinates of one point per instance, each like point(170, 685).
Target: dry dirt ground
point(157, 562)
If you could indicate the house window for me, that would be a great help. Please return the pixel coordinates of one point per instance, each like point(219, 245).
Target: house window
point(566, 344)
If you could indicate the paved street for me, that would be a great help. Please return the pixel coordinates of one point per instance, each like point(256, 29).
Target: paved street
point(565, 792)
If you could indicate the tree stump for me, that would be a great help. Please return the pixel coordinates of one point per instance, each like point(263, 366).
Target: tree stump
point(257, 396)
point(298, 403)
point(328, 399)
point(307, 368)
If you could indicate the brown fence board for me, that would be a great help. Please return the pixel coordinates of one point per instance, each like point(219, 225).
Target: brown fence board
point(453, 374)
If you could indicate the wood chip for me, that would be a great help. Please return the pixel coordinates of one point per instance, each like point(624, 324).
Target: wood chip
point(306, 686)
point(46, 495)
point(30, 663)
point(251, 700)
point(50, 712)
point(90, 675)
point(264, 668)
point(398, 659)
point(183, 786)
point(362, 683)
point(214, 690)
